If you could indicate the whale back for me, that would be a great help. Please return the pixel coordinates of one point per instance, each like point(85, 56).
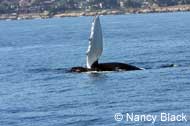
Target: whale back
point(95, 47)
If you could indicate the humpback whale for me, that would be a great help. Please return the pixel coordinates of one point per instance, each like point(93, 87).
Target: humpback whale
point(95, 50)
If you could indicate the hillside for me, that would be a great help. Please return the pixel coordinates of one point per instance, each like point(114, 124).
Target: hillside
point(56, 6)
point(49, 8)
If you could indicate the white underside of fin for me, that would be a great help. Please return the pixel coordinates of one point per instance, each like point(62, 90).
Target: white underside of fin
point(95, 47)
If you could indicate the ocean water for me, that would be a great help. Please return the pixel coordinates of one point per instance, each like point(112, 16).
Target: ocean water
point(37, 90)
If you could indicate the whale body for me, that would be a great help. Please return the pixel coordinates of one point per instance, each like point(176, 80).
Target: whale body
point(115, 66)
point(95, 50)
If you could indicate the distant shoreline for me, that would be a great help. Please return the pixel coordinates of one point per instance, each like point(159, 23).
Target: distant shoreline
point(178, 8)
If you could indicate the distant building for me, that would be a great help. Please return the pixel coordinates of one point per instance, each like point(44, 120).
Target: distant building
point(145, 4)
point(83, 4)
point(24, 6)
point(121, 4)
point(101, 5)
point(24, 3)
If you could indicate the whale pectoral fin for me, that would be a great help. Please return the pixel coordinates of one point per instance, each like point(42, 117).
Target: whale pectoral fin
point(95, 47)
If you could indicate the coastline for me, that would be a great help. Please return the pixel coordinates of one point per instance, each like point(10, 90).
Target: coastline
point(178, 8)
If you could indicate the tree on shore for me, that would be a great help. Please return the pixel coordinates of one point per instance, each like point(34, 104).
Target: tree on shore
point(133, 3)
point(8, 8)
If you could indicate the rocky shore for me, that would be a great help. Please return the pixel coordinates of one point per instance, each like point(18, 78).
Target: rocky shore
point(15, 16)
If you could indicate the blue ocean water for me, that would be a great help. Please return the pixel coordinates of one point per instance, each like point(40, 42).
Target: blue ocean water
point(37, 90)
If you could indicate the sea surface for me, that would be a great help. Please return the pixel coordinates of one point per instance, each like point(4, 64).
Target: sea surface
point(36, 88)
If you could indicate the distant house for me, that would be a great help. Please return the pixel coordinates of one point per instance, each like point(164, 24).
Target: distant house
point(24, 3)
point(24, 6)
point(83, 4)
point(145, 4)
point(101, 5)
point(121, 4)
point(46, 4)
